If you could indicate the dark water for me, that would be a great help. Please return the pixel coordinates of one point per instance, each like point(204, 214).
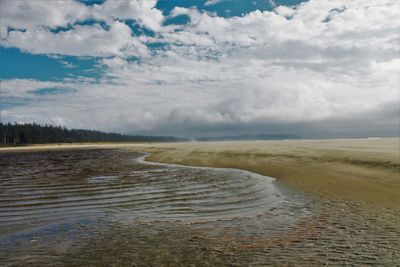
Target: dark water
point(108, 208)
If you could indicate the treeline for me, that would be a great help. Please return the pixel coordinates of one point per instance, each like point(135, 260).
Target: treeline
point(32, 133)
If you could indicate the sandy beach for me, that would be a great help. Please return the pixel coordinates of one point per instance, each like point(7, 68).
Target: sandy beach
point(332, 202)
point(365, 171)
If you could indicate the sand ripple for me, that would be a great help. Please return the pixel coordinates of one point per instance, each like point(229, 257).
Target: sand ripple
point(103, 207)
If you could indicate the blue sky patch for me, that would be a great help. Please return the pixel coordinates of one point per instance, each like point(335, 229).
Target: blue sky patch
point(177, 20)
point(15, 63)
point(167, 5)
point(92, 2)
point(87, 22)
point(137, 29)
point(225, 8)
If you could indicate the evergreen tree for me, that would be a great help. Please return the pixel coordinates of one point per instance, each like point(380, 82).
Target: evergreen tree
point(32, 133)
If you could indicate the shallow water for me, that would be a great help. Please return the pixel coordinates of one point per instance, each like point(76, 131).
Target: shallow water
point(108, 207)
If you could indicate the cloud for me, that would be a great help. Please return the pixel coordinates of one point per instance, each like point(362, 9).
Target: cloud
point(32, 14)
point(83, 40)
point(37, 13)
point(143, 11)
point(212, 2)
point(322, 68)
point(32, 26)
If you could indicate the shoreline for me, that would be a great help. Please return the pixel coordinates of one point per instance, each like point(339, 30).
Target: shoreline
point(364, 171)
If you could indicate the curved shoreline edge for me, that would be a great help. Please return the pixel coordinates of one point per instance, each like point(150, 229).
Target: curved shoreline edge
point(333, 169)
point(143, 160)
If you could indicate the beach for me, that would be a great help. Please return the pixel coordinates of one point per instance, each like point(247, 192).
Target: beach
point(365, 171)
point(359, 170)
point(307, 203)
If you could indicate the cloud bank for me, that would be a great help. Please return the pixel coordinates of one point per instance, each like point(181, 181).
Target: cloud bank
point(318, 69)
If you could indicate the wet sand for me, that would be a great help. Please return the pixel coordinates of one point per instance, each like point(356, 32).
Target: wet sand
point(365, 171)
point(65, 207)
point(106, 207)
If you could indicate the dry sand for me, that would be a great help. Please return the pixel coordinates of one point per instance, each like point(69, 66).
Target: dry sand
point(360, 170)
point(363, 171)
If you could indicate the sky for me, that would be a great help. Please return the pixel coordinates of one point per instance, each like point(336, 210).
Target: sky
point(193, 68)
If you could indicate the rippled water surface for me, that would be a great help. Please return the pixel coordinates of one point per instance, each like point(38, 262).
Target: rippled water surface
point(108, 207)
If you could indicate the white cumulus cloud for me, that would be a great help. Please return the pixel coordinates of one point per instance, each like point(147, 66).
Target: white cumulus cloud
point(311, 66)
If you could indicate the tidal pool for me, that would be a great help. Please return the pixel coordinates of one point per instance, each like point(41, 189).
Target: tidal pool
point(111, 208)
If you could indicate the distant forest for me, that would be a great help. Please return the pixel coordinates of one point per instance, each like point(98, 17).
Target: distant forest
point(32, 133)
